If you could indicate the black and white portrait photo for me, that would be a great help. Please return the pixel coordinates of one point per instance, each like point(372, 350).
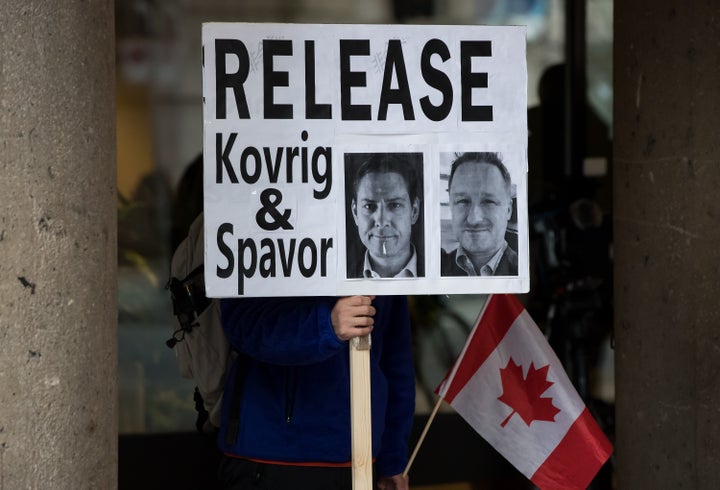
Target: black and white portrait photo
point(384, 215)
point(479, 231)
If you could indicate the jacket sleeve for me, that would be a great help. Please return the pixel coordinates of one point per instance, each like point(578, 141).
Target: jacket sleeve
point(282, 331)
point(397, 365)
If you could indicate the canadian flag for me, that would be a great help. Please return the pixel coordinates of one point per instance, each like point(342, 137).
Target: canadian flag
point(509, 385)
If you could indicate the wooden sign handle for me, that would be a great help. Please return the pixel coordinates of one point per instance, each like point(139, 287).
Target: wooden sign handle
point(360, 413)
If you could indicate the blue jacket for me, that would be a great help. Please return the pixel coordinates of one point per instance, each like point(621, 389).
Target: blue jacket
point(295, 405)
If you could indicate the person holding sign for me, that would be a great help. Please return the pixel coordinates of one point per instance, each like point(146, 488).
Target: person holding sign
point(480, 192)
point(385, 206)
point(294, 427)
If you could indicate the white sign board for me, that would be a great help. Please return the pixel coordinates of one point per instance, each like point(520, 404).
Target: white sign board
point(329, 150)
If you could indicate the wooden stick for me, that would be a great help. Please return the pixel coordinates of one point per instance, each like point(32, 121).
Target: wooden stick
point(422, 436)
point(360, 413)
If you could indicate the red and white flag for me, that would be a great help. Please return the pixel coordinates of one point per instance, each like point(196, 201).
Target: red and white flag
point(509, 385)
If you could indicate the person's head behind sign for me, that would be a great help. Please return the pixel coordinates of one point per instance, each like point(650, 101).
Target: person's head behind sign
point(385, 206)
point(480, 198)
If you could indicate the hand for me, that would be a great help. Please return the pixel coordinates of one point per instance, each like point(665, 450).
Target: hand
point(352, 316)
point(397, 482)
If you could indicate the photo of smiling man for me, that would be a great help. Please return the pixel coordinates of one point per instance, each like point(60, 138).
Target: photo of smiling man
point(480, 198)
point(384, 217)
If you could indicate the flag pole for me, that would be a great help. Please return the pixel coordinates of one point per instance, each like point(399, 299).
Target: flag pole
point(440, 399)
point(422, 436)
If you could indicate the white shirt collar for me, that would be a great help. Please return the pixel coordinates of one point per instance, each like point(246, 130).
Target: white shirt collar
point(410, 269)
point(463, 261)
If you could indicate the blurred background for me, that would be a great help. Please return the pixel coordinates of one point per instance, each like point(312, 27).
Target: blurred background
point(159, 137)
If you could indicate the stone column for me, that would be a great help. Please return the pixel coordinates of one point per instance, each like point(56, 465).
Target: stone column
point(667, 243)
point(58, 265)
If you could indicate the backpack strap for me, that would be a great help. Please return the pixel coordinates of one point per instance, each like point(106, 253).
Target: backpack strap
point(203, 415)
point(188, 300)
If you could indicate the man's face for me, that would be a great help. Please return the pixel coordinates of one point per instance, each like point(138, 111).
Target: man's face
point(481, 207)
point(384, 214)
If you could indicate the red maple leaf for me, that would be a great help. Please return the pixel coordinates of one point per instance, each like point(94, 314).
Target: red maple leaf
point(522, 394)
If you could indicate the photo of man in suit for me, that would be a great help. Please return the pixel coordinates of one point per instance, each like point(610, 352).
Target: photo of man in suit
point(481, 205)
point(385, 209)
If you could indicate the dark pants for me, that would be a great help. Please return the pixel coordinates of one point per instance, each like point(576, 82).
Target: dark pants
point(241, 474)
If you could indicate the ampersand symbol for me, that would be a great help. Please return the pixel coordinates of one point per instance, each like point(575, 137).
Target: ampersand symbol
point(270, 199)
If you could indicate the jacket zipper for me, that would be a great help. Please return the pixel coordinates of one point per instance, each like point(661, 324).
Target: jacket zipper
point(290, 389)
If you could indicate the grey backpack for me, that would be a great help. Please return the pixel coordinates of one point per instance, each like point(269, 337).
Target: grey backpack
point(201, 348)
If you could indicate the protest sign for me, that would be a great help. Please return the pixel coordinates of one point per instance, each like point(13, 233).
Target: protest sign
point(328, 152)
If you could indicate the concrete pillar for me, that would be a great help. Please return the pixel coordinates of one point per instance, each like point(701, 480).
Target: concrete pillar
point(667, 243)
point(58, 293)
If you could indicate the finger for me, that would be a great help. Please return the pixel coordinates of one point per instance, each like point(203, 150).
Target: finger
point(353, 321)
point(362, 300)
point(361, 321)
point(347, 309)
point(349, 332)
point(363, 310)
point(358, 301)
point(359, 331)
